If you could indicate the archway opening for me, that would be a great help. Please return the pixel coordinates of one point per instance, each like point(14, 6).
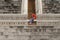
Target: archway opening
point(31, 9)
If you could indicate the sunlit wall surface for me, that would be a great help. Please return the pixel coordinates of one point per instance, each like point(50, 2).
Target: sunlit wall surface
point(51, 6)
point(10, 6)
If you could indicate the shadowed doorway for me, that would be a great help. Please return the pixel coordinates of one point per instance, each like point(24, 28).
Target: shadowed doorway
point(31, 8)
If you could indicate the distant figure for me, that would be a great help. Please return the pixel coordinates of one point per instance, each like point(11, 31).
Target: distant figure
point(33, 16)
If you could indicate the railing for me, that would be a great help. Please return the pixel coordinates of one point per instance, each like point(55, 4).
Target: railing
point(13, 17)
point(48, 17)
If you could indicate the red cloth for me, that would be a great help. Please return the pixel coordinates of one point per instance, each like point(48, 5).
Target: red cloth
point(34, 16)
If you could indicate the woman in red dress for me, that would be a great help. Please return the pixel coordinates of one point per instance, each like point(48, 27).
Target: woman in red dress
point(33, 17)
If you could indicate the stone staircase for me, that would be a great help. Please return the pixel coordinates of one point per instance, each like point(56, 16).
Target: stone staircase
point(32, 33)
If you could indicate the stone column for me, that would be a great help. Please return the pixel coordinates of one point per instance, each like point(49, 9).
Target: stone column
point(38, 6)
point(24, 7)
